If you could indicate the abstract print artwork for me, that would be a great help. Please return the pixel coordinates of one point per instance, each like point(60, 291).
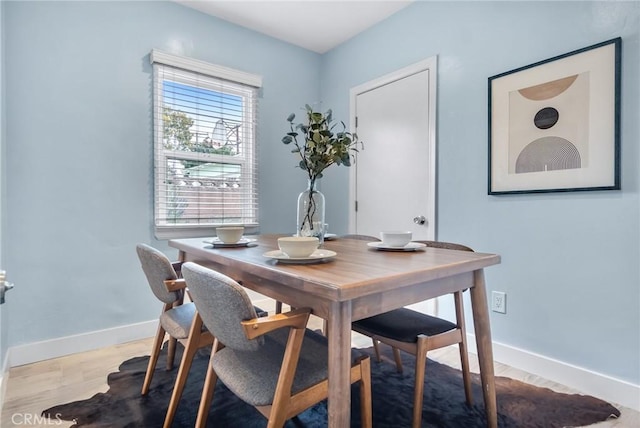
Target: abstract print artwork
point(554, 124)
point(548, 125)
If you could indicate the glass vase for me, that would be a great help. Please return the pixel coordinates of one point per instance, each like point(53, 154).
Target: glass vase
point(311, 212)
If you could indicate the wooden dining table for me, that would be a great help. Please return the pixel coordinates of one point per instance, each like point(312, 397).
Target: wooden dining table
point(357, 282)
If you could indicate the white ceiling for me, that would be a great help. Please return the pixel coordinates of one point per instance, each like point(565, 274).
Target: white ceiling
point(317, 25)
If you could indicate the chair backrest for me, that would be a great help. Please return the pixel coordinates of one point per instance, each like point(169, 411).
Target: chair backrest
point(445, 245)
point(361, 237)
point(223, 304)
point(157, 268)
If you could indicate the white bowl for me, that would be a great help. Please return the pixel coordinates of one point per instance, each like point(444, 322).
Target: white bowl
point(297, 247)
point(395, 238)
point(230, 234)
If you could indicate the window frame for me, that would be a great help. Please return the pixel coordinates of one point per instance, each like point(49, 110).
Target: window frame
point(247, 158)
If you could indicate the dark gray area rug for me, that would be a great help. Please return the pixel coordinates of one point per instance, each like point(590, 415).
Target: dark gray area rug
point(519, 404)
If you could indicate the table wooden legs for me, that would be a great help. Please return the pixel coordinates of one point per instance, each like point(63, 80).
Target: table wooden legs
point(485, 350)
point(339, 335)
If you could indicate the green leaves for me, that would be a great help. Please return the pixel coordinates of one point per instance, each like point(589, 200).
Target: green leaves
point(176, 125)
point(321, 147)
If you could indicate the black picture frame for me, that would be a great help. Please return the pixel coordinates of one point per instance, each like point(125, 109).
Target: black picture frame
point(554, 126)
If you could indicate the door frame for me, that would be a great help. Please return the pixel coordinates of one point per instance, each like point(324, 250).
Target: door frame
point(430, 65)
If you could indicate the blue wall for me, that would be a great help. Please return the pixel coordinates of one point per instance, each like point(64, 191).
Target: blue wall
point(79, 160)
point(79, 157)
point(569, 260)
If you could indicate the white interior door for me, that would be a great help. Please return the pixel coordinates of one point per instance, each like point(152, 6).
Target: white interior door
point(393, 182)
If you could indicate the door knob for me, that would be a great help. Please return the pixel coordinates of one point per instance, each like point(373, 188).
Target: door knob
point(420, 220)
point(4, 286)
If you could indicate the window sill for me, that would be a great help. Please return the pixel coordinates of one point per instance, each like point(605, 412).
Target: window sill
point(195, 231)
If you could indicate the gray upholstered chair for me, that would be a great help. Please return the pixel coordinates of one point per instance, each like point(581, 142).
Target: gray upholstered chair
point(417, 333)
point(360, 237)
point(178, 320)
point(264, 361)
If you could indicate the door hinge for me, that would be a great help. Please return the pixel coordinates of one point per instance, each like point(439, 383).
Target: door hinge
point(356, 203)
point(356, 121)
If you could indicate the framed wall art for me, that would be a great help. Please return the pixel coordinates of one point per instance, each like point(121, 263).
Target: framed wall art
point(554, 126)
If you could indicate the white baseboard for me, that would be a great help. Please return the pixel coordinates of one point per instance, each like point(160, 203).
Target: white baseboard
point(599, 385)
point(59, 347)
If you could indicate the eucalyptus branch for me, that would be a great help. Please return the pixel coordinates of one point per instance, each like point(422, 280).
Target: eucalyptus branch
point(322, 146)
point(319, 147)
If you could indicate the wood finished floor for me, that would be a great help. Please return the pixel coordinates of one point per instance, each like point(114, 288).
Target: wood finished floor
point(34, 387)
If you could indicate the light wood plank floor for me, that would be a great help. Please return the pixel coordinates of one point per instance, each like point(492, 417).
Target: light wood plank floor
point(34, 387)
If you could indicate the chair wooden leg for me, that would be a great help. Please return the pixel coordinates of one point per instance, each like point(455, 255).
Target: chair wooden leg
point(421, 365)
point(153, 359)
point(171, 352)
point(376, 348)
point(207, 390)
point(466, 375)
point(398, 358)
point(181, 378)
point(464, 354)
point(365, 393)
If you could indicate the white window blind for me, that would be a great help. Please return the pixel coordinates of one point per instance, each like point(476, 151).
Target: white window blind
point(205, 146)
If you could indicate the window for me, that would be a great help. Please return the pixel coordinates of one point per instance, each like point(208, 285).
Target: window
point(205, 146)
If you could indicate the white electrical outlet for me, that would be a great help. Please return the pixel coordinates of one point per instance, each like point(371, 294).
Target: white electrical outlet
point(499, 302)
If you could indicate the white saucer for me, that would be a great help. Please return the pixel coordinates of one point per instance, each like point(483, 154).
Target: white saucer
point(330, 236)
point(317, 256)
point(217, 243)
point(411, 246)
